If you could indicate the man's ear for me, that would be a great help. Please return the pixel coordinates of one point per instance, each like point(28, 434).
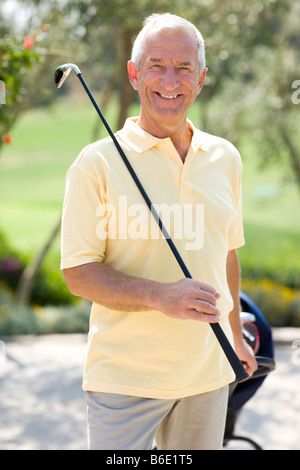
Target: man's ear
point(132, 74)
point(202, 78)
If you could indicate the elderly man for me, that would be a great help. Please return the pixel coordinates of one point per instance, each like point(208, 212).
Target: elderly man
point(154, 369)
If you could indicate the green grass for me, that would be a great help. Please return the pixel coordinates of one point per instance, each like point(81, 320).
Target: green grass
point(47, 140)
point(33, 170)
point(272, 223)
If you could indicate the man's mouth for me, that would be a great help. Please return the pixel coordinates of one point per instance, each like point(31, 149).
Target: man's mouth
point(168, 97)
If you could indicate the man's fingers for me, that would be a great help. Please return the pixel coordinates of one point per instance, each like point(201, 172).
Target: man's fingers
point(201, 301)
point(201, 305)
point(202, 289)
point(204, 317)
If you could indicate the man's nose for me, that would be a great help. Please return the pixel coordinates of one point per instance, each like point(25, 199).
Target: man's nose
point(169, 80)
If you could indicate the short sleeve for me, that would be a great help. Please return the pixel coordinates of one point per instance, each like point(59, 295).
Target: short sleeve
point(84, 223)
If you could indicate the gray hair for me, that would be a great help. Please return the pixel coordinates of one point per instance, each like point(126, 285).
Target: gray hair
point(160, 22)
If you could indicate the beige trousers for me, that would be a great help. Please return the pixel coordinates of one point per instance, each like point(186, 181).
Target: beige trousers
point(121, 422)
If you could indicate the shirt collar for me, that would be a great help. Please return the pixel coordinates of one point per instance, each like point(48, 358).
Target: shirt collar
point(140, 141)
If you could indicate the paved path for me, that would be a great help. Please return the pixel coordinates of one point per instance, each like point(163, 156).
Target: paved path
point(42, 405)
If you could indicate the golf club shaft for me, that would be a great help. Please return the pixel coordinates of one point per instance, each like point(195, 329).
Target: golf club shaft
point(137, 181)
point(234, 361)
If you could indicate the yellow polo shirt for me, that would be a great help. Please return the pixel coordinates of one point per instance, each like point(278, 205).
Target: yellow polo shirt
point(105, 220)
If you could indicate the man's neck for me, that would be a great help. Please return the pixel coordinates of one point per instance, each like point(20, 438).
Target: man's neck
point(180, 135)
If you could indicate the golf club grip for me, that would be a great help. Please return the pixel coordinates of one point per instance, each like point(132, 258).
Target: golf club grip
point(234, 361)
point(240, 373)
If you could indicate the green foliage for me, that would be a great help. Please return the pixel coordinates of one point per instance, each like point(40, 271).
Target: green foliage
point(23, 320)
point(11, 265)
point(17, 58)
point(279, 304)
point(270, 252)
point(49, 286)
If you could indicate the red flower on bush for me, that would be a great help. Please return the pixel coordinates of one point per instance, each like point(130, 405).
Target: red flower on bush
point(6, 138)
point(29, 41)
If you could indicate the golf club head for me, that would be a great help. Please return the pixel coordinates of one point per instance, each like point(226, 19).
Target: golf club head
point(62, 72)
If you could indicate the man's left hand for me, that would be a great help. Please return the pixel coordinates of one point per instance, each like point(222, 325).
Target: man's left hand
point(246, 355)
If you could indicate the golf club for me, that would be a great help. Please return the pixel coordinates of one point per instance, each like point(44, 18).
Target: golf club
point(61, 74)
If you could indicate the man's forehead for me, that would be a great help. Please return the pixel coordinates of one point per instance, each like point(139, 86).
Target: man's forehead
point(182, 47)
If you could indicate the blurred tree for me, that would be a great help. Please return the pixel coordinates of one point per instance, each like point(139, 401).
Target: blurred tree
point(278, 66)
point(253, 57)
point(29, 51)
point(17, 58)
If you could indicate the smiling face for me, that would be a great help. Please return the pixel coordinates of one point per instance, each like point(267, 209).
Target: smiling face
point(168, 79)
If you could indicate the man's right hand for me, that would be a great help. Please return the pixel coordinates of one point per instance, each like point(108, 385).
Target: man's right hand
point(189, 299)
